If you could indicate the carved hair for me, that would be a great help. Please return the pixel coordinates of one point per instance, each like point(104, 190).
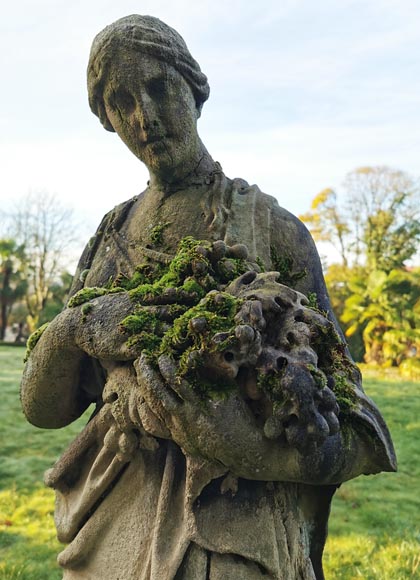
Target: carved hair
point(146, 35)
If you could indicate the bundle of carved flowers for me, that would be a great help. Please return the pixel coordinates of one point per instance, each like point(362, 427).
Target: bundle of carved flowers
point(180, 307)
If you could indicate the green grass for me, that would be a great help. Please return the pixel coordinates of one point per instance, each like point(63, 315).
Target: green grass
point(375, 520)
point(374, 525)
point(28, 546)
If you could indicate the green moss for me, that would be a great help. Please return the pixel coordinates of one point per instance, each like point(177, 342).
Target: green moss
point(180, 274)
point(175, 310)
point(260, 263)
point(319, 377)
point(313, 301)
point(143, 274)
point(344, 391)
point(192, 334)
point(186, 283)
point(156, 236)
point(217, 311)
point(269, 382)
point(335, 363)
point(191, 285)
point(284, 264)
point(144, 291)
point(142, 321)
point(86, 309)
point(145, 341)
point(33, 340)
point(86, 294)
point(230, 268)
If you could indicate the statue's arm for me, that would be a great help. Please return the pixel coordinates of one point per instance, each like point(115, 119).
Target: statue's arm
point(61, 375)
point(50, 383)
point(58, 379)
point(225, 433)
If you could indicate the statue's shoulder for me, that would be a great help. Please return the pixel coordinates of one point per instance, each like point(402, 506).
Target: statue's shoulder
point(285, 228)
point(282, 216)
point(291, 246)
point(115, 218)
point(111, 223)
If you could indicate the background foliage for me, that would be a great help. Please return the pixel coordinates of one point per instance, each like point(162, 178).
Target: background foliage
point(36, 240)
point(373, 224)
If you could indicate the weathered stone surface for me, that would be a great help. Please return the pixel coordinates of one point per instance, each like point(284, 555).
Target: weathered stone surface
point(219, 435)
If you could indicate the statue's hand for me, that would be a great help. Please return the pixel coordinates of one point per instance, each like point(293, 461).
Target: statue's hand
point(307, 414)
point(222, 431)
point(97, 333)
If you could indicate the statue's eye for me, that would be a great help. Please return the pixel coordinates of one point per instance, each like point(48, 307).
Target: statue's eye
point(156, 87)
point(122, 100)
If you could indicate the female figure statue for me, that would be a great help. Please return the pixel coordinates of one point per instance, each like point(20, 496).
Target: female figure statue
point(168, 480)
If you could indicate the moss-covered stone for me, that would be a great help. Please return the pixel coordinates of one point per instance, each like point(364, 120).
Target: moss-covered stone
point(182, 295)
point(86, 294)
point(33, 340)
point(180, 307)
point(156, 236)
point(284, 265)
point(85, 310)
point(260, 263)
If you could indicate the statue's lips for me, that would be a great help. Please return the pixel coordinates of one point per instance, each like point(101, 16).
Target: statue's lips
point(153, 139)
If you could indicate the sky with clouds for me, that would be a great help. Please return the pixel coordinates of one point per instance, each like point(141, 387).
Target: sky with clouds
point(301, 93)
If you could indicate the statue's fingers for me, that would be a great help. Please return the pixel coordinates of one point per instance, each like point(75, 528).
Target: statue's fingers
point(151, 423)
point(168, 368)
point(333, 422)
point(154, 390)
point(169, 371)
point(185, 390)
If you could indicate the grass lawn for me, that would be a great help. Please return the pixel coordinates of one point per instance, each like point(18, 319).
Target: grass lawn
point(374, 525)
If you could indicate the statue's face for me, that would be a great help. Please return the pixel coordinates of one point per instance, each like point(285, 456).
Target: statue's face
point(153, 110)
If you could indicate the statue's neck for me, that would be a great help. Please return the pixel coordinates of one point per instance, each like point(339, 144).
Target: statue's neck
point(198, 170)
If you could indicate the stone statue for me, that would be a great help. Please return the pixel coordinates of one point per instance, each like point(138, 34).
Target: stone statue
point(227, 407)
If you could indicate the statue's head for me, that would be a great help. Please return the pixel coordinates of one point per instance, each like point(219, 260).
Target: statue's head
point(144, 84)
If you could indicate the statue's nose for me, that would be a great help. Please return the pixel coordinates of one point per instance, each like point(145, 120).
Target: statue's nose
point(147, 113)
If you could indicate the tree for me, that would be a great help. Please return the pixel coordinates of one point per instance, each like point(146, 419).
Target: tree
point(327, 222)
point(12, 282)
point(373, 220)
point(383, 206)
point(375, 223)
point(57, 297)
point(46, 231)
point(385, 307)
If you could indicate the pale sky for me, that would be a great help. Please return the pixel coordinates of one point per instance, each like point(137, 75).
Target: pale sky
point(301, 93)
